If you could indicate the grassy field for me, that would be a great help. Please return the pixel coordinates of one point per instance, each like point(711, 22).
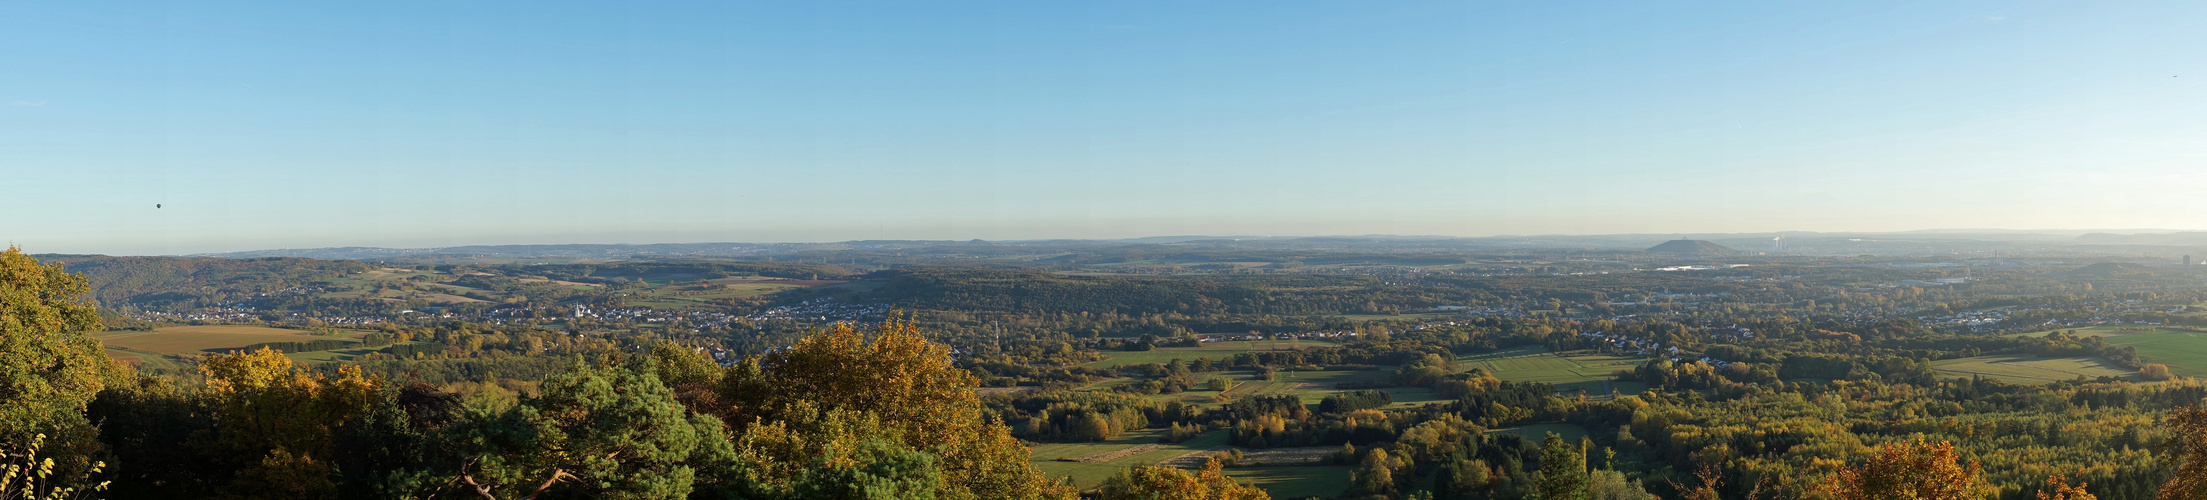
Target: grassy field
point(1282, 482)
point(333, 354)
point(1313, 387)
point(187, 340)
point(1590, 372)
point(2028, 369)
point(1310, 387)
point(142, 359)
point(1570, 373)
point(2109, 331)
point(1286, 482)
point(1088, 474)
point(2184, 351)
point(1213, 350)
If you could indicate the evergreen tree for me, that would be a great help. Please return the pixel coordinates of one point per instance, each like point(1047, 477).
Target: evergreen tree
point(1562, 473)
point(612, 432)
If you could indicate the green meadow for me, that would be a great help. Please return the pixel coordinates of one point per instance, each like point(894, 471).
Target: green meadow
point(2028, 369)
point(1589, 372)
point(1141, 447)
point(2184, 350)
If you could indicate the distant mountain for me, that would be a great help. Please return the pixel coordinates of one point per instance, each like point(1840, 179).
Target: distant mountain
point(578, 251)
point(1691, 247)
point(2183, 238)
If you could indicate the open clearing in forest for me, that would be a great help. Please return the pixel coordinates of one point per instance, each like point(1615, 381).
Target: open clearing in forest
point(1591, 372)
point(1323, 481)
point(1214, 350)
point(2184, 350)
point(1140, 448)
point(1087, 474)
point(1309, 386)
point(2028, 369)
point(187, 340)
point(2109, 331)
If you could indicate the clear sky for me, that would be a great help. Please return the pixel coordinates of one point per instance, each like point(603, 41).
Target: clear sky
point(386, 123)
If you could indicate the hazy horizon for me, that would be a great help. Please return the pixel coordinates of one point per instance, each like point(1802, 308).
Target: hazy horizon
point(427, 124)
point(2064, 232)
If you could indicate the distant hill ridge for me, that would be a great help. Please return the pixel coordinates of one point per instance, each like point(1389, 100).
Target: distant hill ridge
point(2180, 238)
point(1692, 247)
point(1942, 241)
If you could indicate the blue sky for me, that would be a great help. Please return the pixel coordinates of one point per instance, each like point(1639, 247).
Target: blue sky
point(308, 124)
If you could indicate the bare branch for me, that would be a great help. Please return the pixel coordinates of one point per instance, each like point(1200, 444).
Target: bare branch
point(557, 475)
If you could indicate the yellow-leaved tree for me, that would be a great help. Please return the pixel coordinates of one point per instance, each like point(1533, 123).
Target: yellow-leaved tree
point(2058, 488)
point(1157, 482)
point(25, 476)
point(891, 377)
point(50, 366)
point(1910, 470)
point(283, 418)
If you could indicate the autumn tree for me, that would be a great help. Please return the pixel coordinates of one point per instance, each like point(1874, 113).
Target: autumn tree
point(1612, 485)
point(50, 366)
point(1462, 478)
point(1709, 480)
point(2189, 449)
point(279, 424)
point(25, 476)
point(1909, 471)
point(833, 454)
point(1157, 482)
point(1379, 473)
point(2058, 488)
point(901, 380)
